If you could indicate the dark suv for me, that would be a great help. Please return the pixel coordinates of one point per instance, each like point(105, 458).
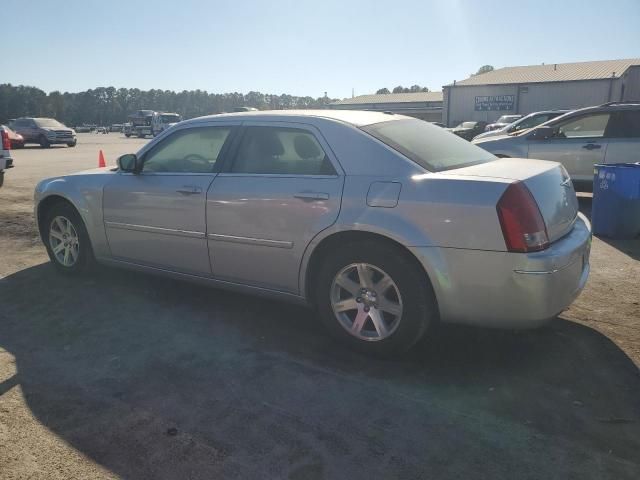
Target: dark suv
point(44, 131)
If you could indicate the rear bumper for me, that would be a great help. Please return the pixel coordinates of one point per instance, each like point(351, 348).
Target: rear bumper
point(509, 290)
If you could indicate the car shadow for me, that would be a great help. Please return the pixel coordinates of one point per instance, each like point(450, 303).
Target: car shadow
point(154, 378)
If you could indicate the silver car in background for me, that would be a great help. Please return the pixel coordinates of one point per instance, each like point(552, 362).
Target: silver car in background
point(530, 121)
point(383, 223)
point(607, 133)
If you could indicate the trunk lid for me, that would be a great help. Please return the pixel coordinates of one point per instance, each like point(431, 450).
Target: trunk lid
point(548, 182)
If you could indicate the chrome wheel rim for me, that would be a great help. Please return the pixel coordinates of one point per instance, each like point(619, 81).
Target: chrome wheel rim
point(366, 301)
point(64, 242)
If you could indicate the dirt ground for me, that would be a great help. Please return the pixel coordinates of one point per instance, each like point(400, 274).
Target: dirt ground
point(123, 375)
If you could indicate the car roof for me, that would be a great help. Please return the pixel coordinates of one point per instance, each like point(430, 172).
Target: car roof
point(356, 118)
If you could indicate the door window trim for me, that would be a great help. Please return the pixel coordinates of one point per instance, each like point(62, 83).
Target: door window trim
point(232, 152)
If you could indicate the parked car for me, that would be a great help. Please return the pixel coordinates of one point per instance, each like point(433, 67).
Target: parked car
point(15, 139)
point(44, 131)
point(116, 127)
point(385, 224)
point(6, 162)
point(529, 121)
point(608, 133)
point(502, 122)
point(468, 130)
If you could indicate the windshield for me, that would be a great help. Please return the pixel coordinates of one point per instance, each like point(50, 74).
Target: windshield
point(429, 146)
point(508, 118)
point(170, 118)
point(48, 123)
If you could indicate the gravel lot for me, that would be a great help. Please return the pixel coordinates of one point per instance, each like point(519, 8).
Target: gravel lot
point(124, 375)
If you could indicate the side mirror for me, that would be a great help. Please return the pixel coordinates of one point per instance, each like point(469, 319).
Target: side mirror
point(128, 162)
point(542, 133)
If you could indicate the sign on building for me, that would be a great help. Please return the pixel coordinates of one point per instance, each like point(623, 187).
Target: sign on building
point(495, 103)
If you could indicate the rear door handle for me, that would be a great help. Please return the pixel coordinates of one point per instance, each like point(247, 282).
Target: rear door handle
point(310, 196)
point(189, 190)
point(592, 146)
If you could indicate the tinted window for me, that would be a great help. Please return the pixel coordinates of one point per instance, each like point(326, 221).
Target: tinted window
point(624, 124)
point(194, 150)
point(431, 147)
point(283, 151)
point(585, 126)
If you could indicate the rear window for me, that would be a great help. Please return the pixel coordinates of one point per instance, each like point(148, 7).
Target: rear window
point(431, 147)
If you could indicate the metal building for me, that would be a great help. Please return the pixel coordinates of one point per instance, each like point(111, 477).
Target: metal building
point(522, 90)
point(424, 105)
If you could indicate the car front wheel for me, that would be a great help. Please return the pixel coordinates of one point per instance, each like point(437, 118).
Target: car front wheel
point(44, 143)
point(373, 297)
point(66, 239)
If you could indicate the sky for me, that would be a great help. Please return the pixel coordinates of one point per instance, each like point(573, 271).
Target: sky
point(300, 47)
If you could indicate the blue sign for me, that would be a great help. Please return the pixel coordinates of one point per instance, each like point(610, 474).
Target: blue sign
point(495, 103)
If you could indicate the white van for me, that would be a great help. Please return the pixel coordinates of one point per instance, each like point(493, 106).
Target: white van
point(163, 120)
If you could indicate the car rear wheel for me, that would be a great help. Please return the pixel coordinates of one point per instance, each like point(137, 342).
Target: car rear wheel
point(44, 143)
point(66, 239)
point(374, 298)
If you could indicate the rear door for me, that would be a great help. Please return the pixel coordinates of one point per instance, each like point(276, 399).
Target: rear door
point(623, 136)
point(282, 188)
point(579, 143)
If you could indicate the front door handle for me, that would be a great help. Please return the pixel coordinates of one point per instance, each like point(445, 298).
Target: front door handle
point(592, 146)
point(311, 196)
point(189, 190)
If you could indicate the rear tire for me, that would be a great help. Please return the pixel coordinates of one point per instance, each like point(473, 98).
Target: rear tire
point(384, 313)
point(66, 239)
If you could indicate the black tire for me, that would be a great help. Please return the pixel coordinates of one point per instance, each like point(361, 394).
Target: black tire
point(127, 135)
point(85, 253)
point(1, 178)
point(44, 143)
point(71, 144)
point(419, 303)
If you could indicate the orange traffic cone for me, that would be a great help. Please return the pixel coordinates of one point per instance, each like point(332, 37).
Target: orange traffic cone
point(101, 162)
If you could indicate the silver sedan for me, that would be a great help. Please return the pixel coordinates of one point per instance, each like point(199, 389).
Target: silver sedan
point(383, 223)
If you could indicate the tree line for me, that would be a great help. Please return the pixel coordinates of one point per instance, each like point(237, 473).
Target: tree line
point(401, 89)
point(109, 105)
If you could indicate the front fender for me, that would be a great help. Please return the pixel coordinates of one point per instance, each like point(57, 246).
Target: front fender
point(84, 192)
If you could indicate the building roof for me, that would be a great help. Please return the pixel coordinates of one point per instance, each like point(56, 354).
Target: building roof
point(392, 98)
point(553, 72)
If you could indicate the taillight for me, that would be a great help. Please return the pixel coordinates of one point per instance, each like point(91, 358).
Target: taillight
point(6, 143)
point(522, 224)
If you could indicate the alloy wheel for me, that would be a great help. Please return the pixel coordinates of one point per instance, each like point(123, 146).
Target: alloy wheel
point(64, 241)
point(366, 301)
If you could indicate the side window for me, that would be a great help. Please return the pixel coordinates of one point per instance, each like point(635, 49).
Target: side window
point(280, 150)
point(193, 150)
point(624, 124)
point(587, 126)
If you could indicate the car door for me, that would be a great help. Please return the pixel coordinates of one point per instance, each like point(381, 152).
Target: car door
point(157, 217)
point(578, 143)
point(623, 136)
point(282, 187)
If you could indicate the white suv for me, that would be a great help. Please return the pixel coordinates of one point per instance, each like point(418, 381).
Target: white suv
point(608, 133)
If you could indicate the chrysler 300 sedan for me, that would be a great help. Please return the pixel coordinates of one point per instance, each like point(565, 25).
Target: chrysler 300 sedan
point(383, 223)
